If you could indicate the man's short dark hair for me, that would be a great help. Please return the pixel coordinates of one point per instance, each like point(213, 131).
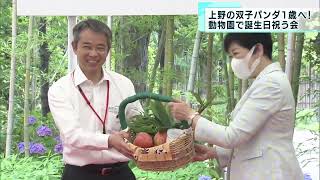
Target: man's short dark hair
point(248, 40)
point(93, 25)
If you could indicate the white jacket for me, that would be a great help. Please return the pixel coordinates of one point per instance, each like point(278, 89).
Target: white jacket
point(260, 132)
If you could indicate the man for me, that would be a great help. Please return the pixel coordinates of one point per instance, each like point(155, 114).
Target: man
point(84, 105)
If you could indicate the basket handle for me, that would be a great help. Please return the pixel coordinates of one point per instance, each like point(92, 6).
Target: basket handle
point(144, 95)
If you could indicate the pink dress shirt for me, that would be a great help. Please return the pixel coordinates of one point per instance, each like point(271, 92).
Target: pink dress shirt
point(80, 129)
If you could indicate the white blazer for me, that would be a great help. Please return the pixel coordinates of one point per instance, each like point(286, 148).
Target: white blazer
point(260, 132)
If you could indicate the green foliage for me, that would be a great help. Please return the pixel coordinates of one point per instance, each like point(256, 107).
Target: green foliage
point(185, 32)
point(47, 167)
point(156, 118)
point(162, 115)
point(307, 119)
point(132, 30)
point(191, 172)
point(56, 38)
point(306, 115)
point(48, 121)
point(213, 109)
point(217, 114)
point(311, 53)
point(204, 103)
point(58, 64)
point(146, 123)
point(48, 141)
point(50, 167)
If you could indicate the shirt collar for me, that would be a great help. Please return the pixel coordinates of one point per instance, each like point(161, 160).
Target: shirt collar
point(79, 77)
point(270, 68)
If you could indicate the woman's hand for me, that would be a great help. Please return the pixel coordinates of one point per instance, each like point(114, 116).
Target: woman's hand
point(203, 152)
point(181, 110)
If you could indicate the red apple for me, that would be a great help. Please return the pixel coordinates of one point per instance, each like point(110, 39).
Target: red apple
point(160, 138)
point(143, 140)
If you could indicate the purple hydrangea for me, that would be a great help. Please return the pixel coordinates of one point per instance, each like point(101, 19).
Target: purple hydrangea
point(204, 178)
point(44, 131)
point(307, 177)
point(21, 146)
point(32, 120)
point(57, 138)
point(58, 148)
point(37, 148)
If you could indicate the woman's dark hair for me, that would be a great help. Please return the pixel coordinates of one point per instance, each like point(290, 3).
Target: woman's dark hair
point(248, 40)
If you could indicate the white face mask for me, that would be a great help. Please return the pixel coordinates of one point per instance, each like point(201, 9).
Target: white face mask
point(241, 68)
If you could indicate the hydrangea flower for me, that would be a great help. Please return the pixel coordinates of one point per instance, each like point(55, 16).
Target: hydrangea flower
point(204, 178)
point(57, 138)
point(307, 177)
point(37, 148)
point(44, 131)
point(32, 120)
point(21, 146)
point(58, 148)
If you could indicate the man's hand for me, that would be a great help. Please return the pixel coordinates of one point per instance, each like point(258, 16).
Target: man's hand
point(123, 134)
point(203, 152)
point(116, 141)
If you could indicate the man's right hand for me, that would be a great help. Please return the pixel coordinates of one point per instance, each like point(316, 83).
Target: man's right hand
point(116, 141)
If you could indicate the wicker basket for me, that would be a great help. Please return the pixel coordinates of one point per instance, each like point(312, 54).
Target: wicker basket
point(165, 157)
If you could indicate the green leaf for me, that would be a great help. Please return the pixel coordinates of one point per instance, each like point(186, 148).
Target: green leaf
point(144, 123)
point(182, 125)
point(198, 98)
point(161, 114)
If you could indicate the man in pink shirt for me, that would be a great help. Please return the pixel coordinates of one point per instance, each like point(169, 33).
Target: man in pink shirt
point(84, 105)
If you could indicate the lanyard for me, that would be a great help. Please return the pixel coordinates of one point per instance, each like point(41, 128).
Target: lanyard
point(89, 104)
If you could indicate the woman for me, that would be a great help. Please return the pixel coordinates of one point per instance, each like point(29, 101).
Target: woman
point(258, 141)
